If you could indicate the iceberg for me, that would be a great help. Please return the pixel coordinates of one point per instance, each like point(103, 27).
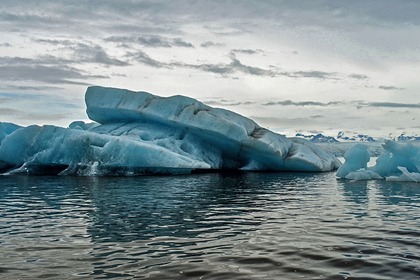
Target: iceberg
point(397, 162)
point(356, 158)
point(6, 129)
point(135, 133)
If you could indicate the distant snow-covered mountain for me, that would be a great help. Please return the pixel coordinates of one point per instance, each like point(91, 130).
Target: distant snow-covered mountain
point(404, 137)
point(318, 138)
point(356, 137)
point(352, 137)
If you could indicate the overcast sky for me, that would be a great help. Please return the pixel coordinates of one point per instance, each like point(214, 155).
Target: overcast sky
point(291, 66)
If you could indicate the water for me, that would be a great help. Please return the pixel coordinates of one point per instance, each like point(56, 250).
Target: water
point(209, 226)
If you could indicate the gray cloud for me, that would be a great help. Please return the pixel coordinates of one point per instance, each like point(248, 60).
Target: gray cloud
point(37, 70)
point(222, 69)
point(81, 53)
point(391, 105)
point(151, 27)
point(8, 112)
point(209, 44)
point(25, 18)
point(55, 42)
point(76, 16)
point(73, 41)
point(358, 76)
point(5, 45)
point(111, 15)
point(246, 51)
point(144, 58)
point(95, 54)
point(312, 74)
point(224, 102)
point(238, 66)
point(8, 60)
point(317, 116)
point(39, 73)
point(359, 104)
point(235, 66)
point(125, 17)
point(390, 88)
point(180, 43)
point(226, 69)
point(151, 41)
point(302, 103)
point(29, 88)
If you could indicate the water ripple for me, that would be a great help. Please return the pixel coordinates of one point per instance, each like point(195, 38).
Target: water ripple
point(210, 226)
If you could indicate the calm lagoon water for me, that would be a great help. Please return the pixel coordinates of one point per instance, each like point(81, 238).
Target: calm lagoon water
point(208, 226)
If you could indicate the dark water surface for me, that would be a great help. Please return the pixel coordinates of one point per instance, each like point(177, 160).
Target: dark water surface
point(209, 226)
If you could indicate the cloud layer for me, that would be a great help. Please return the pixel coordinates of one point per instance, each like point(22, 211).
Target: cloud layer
point(319, 55)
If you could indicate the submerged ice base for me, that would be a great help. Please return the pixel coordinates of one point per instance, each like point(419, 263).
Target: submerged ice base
point(139, 133)
point(398, 162)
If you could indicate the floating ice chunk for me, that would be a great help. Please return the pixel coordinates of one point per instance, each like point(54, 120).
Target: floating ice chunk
point(356, 158)
point(397, 154)
point(362, 174)
point(406, 176)
point(398, 162)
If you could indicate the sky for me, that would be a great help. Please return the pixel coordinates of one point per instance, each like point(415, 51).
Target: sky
point(292, 66)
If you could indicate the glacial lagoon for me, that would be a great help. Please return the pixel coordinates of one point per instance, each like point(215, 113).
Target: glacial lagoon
point(208, 226)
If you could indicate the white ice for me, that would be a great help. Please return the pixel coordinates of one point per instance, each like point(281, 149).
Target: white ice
point(137, 133)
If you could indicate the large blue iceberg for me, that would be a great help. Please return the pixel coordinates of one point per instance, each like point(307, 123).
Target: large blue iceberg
point(136, 133)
